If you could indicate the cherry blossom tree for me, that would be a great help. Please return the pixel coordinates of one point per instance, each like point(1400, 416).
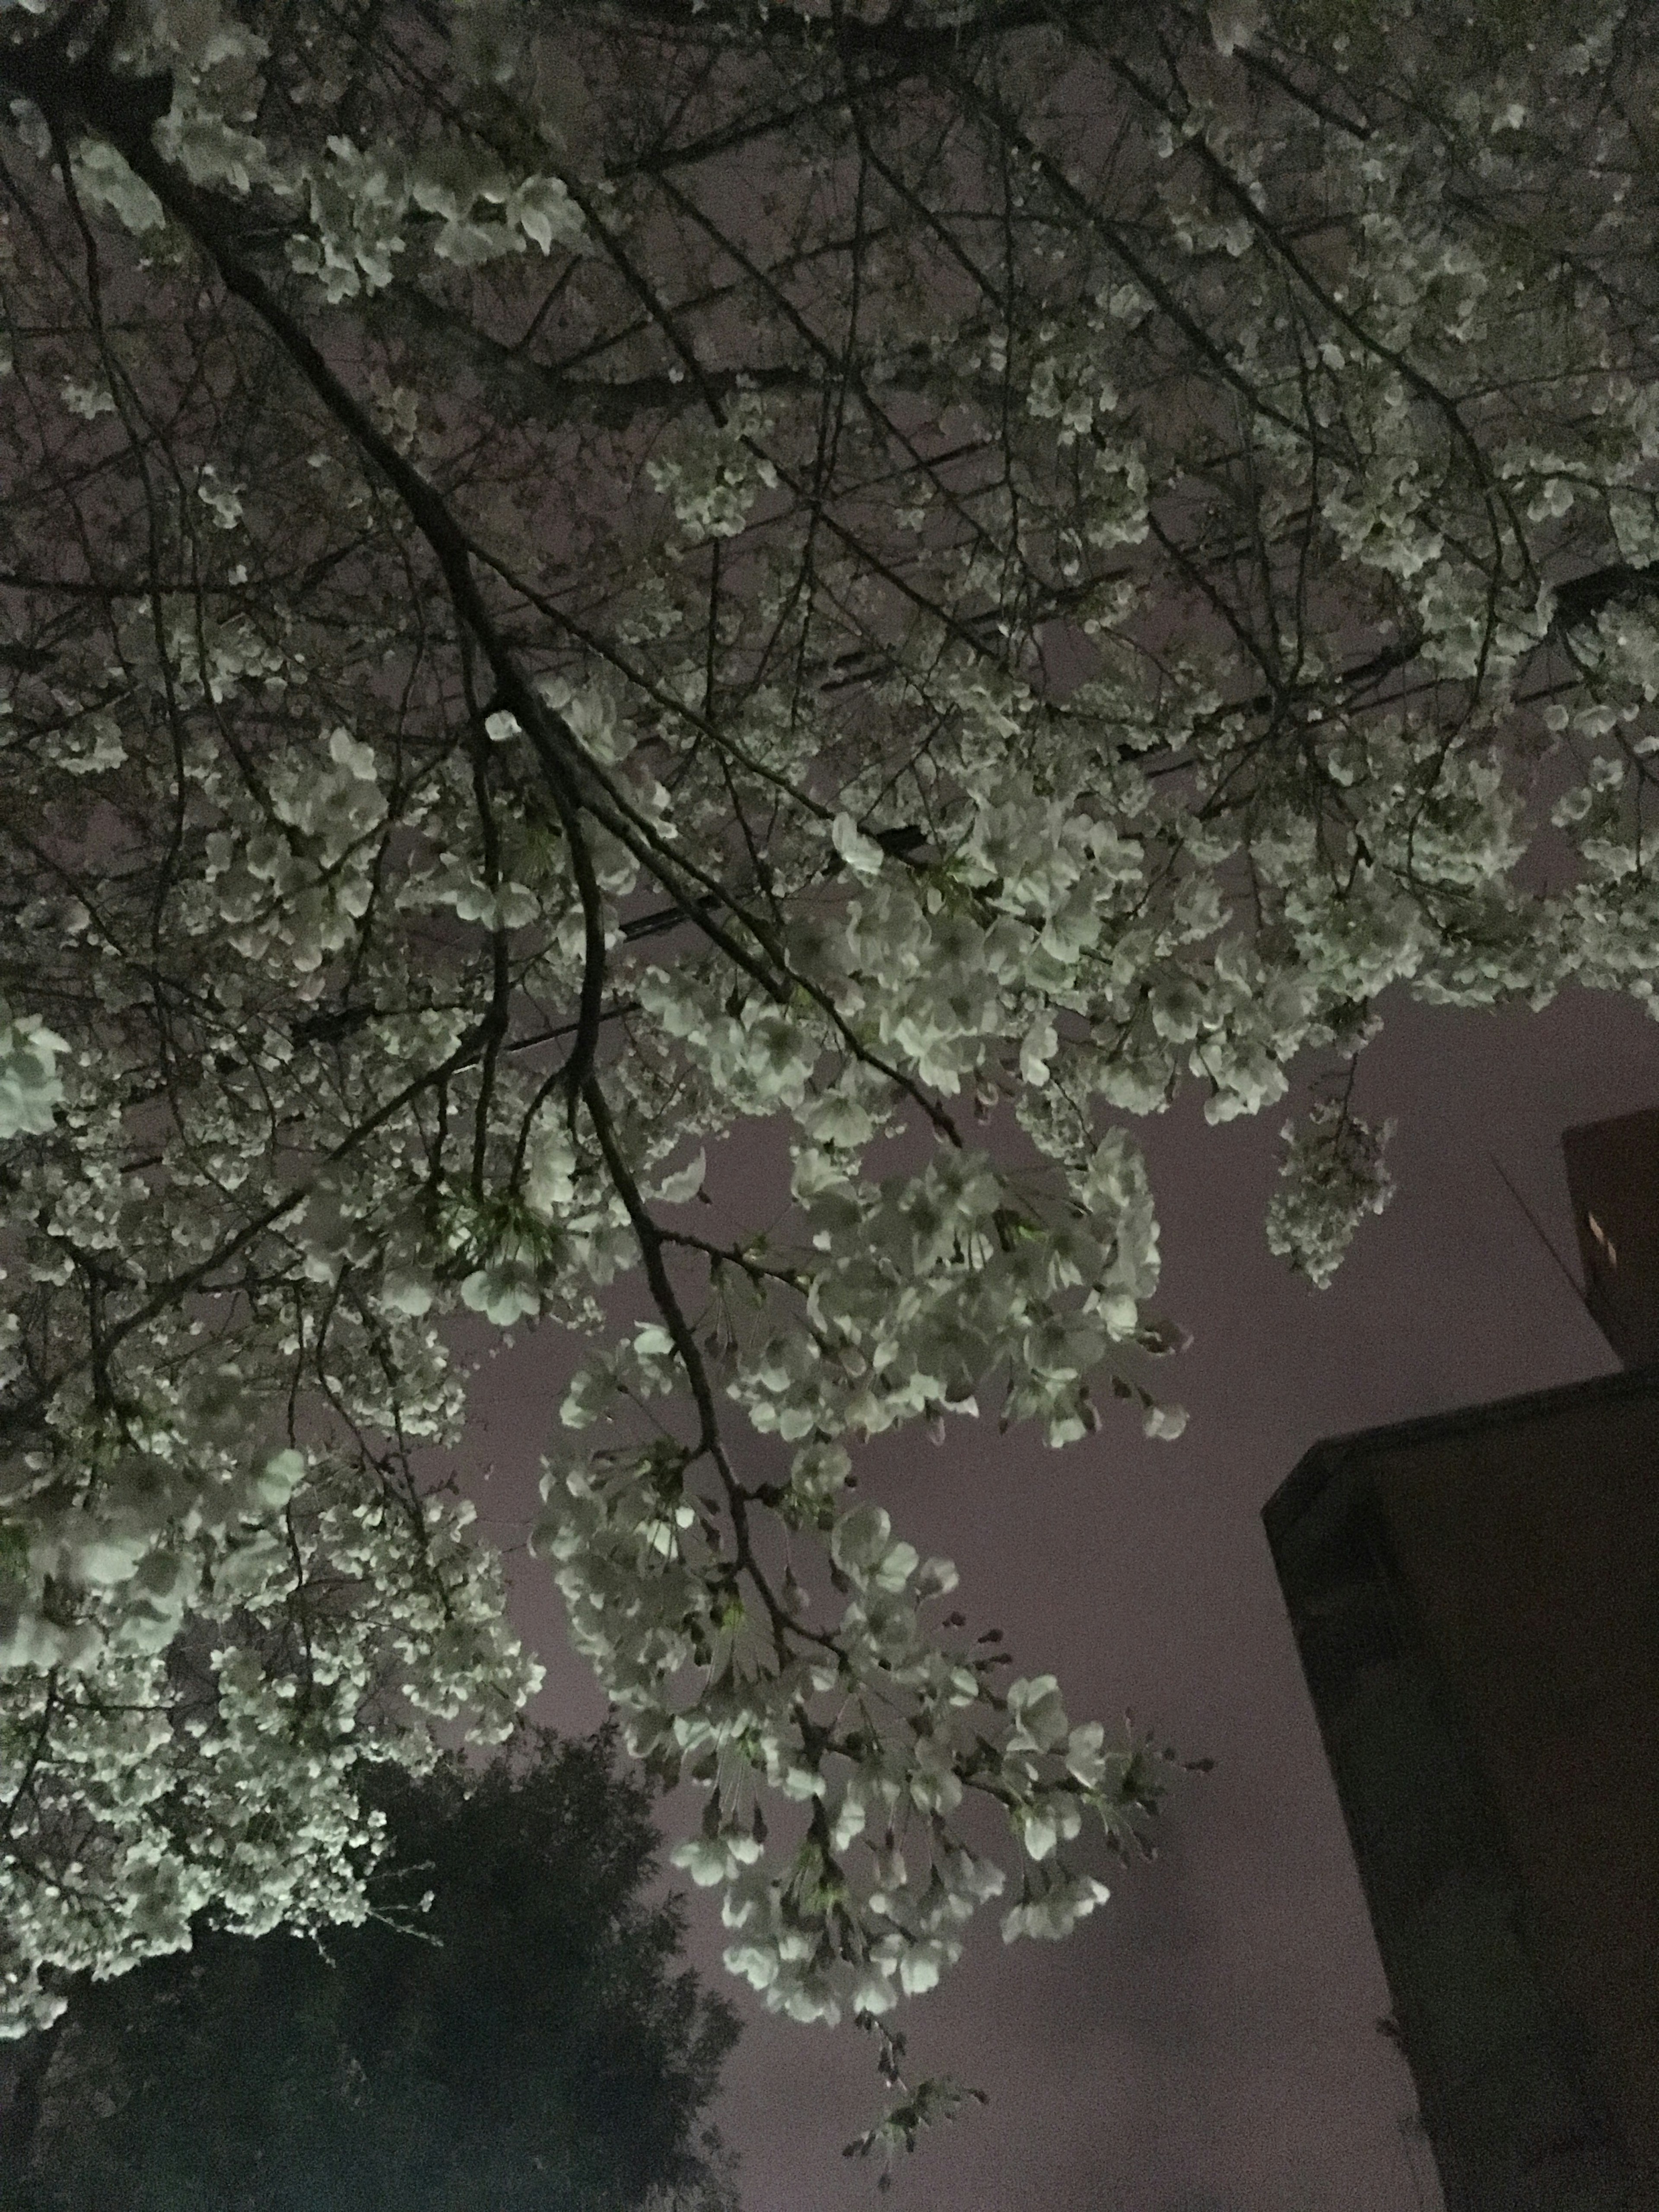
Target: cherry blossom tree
point(577, 578)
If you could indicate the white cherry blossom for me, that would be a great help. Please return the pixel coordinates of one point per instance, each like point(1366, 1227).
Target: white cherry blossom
point(928, 611)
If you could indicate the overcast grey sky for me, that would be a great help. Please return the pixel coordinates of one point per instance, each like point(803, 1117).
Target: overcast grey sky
point(1207, 2042)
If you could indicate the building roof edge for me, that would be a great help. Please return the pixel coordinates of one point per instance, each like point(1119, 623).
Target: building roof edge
point(1322, 1460)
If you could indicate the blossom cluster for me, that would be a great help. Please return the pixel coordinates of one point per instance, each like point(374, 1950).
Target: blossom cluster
point(1331, 1175)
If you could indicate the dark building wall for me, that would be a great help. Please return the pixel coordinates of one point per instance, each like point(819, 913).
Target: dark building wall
point(1612, 1175)
point(1531, 1550)
point(1476, 1600)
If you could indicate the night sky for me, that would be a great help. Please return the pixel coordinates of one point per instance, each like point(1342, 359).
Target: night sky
point(1207, 2042)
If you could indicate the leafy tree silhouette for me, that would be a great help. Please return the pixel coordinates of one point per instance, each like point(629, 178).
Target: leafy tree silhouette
point(524, 2042)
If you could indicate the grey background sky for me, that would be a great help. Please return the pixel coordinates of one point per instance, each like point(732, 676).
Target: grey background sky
point(1206, 2043)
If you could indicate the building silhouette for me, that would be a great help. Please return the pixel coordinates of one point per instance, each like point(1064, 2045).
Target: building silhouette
point(1476, 1599)
point(1612, 1173)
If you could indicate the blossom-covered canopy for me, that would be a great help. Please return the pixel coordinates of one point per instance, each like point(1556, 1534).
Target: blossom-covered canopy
point(575, 577)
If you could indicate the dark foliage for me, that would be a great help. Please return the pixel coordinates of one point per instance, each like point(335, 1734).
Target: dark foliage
point(524, 2043)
